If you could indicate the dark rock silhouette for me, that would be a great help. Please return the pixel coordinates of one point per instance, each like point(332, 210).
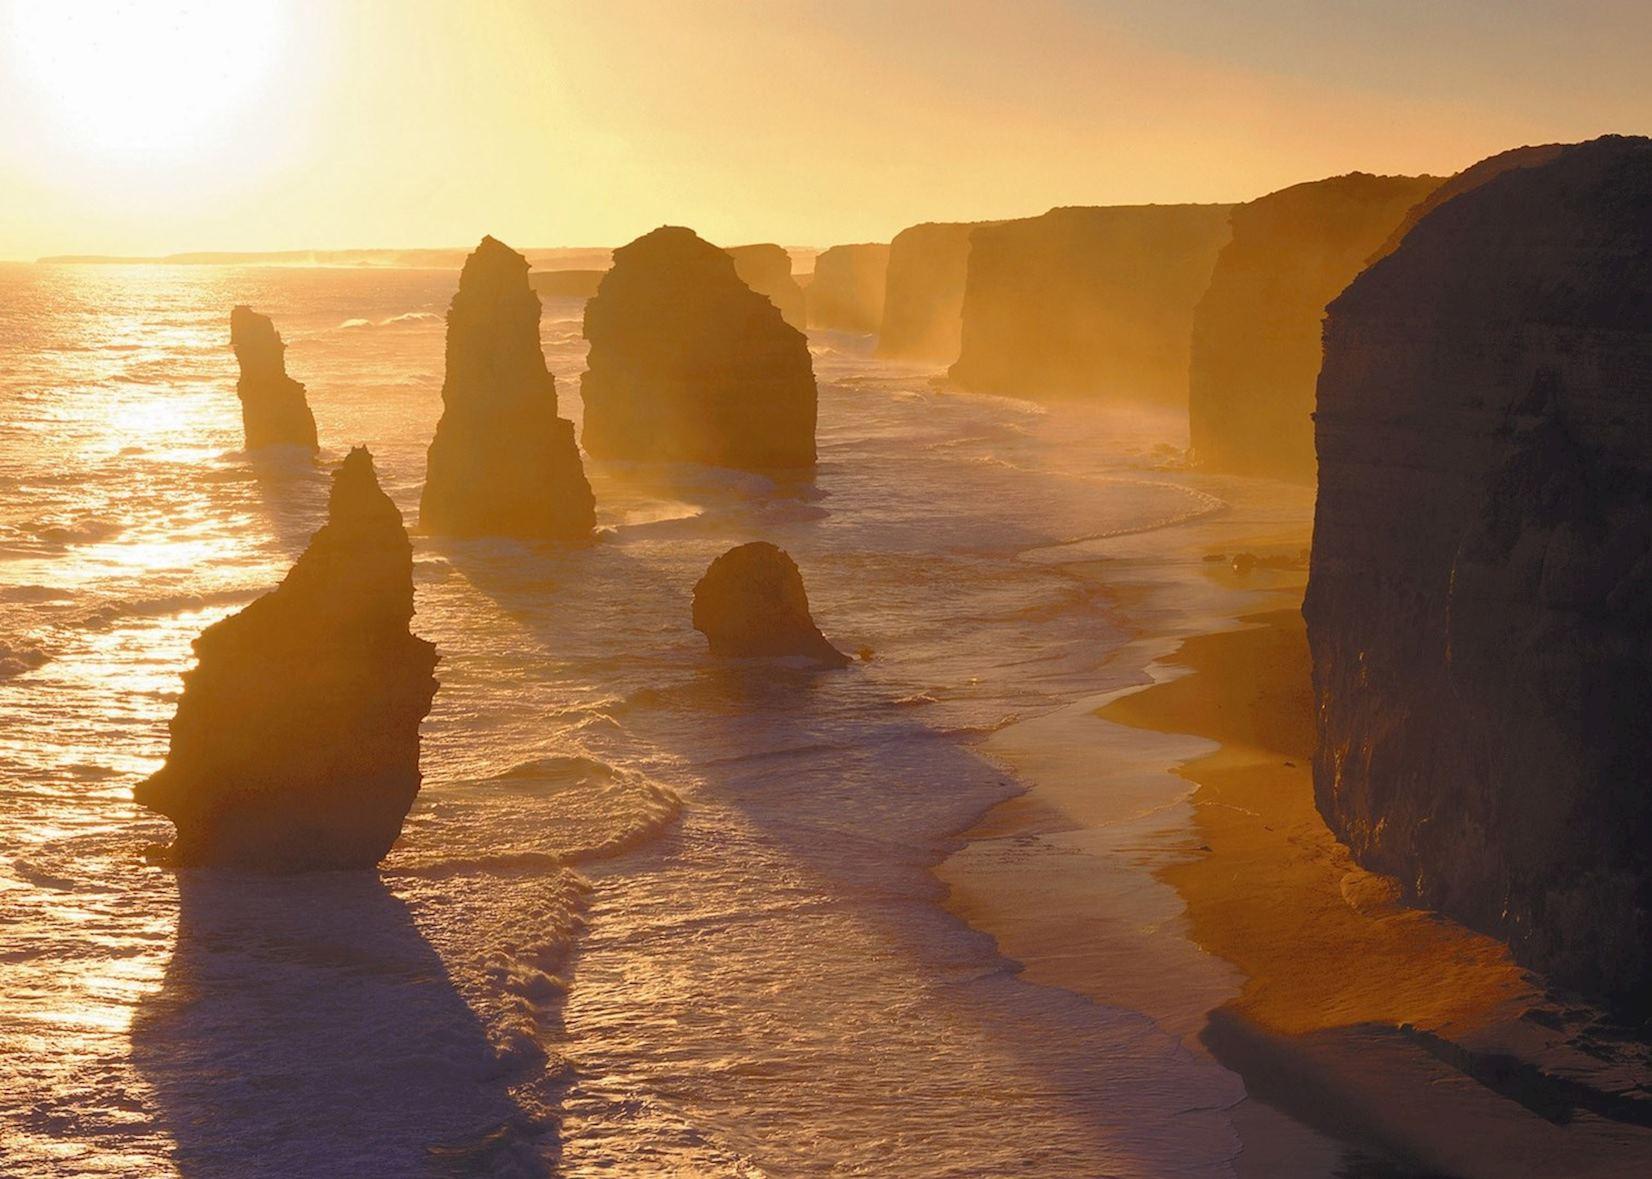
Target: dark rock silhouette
point(767, 269)
point(751, 604)
point(502, 462)
point(689, 364)
point(1088, 302)
point(566, 284)
point(273, 409)
point(296, 741)
point(846, 292)
point(1469, 178)
point(1256, 331)
point(1480, 602)
point(924, 292)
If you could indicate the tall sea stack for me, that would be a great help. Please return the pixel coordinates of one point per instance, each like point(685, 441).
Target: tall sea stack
point(1088, 302)
point(273, 409)
point(1480, 603)
point(296, 741)
point(846, 293)
point(924, 292)
point(1256, 331)
point(767, 269)
point(689, 364)
point(502, 462)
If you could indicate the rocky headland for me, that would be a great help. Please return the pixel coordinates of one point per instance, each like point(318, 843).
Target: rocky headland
point(1087, 302)
point(296, 741)
point(767, 269)
point(1480, 602)
point(846, 293)
point(689, 364)
point(751, 604)
point(502, 462)
point(924, 292)
point(1256, 330)
point(273, 409)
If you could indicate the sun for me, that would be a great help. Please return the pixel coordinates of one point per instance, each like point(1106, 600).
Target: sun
point(149, 80)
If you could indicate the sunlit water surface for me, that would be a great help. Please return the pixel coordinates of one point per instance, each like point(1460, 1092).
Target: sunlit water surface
point(652, 913)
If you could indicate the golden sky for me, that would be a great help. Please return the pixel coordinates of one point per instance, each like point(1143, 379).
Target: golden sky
point(150, 126)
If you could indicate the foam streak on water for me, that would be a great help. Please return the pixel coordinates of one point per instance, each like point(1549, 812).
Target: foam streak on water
point(651, 913)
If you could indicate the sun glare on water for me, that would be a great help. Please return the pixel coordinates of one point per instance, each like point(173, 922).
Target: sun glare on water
point(147, 80)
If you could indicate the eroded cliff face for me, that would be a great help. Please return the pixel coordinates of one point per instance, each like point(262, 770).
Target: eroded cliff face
point(273, 409)
point(502, 462)
point(689, 364)
point(846, 293)
point(767, 269)
point(1088, 302)
point(1256, 330)
point(1480, 603)
point(1469, 178)
point(296, 741)
point(751, 604)
point(924, 292)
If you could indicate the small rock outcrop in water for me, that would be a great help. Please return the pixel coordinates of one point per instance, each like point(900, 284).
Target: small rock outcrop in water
point(689, 364)
point(273, 409)
point(1480, 598)
point(1256, 331)
point(846, 293)
point(767, 269)
point(296, 741)
point(1088, 302)
point(502, 462)
point(751, 604)
point(924, 291)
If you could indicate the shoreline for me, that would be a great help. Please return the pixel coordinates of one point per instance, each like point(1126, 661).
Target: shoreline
point(1167, 857)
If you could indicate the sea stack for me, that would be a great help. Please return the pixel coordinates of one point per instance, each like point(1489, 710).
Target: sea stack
point(689, 364)
point(296, 742)
point(767, 269)
point(924, 292)
point(502, 462)
point(846, 293)
point(751, 604)
point(1480, 603)
point(1088, 302)
point(273, 409)
point(1256, 331)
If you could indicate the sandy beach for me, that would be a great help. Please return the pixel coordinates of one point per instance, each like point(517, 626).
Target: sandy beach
point(1168, 857)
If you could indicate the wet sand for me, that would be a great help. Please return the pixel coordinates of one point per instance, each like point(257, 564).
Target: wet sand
point(1168, 857)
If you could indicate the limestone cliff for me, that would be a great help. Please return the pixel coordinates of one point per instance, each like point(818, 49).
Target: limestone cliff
point(1469, 178)
point(924, 292)
point(689, 364)
point(751, 604)
point(1480, 603)
point(566, 284)
point(273, 409)
point(1256, 331)
point(296, 741)
point(502, 462)
point(846, 293)
point(1088, 302)
point(767, 269)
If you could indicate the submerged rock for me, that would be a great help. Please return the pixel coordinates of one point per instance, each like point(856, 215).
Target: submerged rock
point(767, 269)
point(846, 292)
point(296, 741)
point(924, 292)
point(502, 462)
point(273, 409)
point(751, 604)
point(1256, 331)
point(689, 364)
point(1088, 302)
point(1480, 600)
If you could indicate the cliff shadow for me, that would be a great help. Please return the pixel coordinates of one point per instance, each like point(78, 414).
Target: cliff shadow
point(304, 1026)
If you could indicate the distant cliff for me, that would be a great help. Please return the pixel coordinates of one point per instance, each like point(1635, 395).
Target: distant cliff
point(1088, 302)
point(767, 269)
point(1256, 331)
point(689, 364)
point(1480, 603)
point(273, 409)
point(924, 292)
point(502, 462)
point(296, 741)
point(566, 284)
point(846, 293)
